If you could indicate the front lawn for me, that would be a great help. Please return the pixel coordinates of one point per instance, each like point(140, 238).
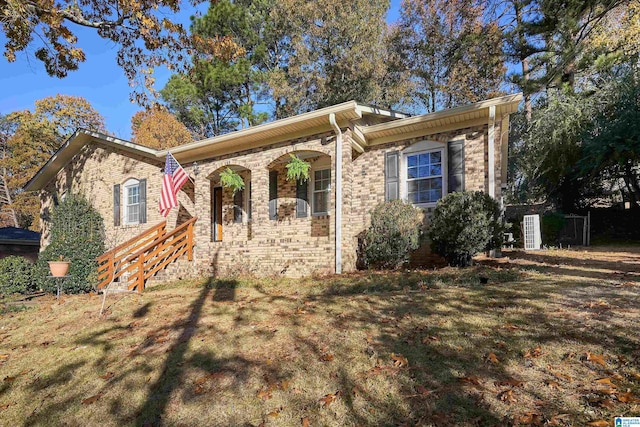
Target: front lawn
point(550, 339)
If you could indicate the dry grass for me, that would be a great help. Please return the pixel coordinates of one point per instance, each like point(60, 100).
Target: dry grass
point(414, 348)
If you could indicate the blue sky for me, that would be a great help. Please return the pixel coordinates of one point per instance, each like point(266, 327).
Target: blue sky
point(98, 79)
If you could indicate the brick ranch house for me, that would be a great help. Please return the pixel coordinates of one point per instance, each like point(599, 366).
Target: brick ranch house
point(360, 156)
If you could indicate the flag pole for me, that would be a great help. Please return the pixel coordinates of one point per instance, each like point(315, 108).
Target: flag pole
point(192, 181)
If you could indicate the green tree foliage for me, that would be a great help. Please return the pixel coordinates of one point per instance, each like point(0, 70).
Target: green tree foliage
point(334, 52)
point(16, 276)
point(611, 150)
point(394, 232)
point(217, 96)
point(464, 224)
point(77, 234)
point(142, 30)
point(35, 136)
point(552, 150)
point(454, 56)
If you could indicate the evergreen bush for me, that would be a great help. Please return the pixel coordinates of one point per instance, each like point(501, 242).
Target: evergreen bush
point(394, 232)
point(16, 276)
point(77, 234)
point(464, 224)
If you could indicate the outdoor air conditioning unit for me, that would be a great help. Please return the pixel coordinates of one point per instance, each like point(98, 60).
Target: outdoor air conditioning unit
point(532, 238)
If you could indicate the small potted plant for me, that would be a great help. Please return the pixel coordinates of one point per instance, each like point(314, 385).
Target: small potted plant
point(60, 267)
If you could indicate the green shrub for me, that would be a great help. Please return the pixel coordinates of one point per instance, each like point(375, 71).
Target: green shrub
point(394, 232)
point(77, 234)
point(16, 276)
point(463, 224)
point(551, 224)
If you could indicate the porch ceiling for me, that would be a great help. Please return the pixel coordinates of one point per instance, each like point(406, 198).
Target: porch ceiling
point(439, 121)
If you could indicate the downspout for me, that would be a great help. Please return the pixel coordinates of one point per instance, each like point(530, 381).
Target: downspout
point(332, 121)
point(492, 152)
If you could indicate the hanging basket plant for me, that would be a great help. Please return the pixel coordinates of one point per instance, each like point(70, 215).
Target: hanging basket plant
point(297, 169)
point(230, 179)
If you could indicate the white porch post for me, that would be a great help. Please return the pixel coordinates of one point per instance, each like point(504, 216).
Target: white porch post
point(338, 169)
point(492, 152)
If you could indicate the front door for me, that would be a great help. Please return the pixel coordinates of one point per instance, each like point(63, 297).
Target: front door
point(216, 210)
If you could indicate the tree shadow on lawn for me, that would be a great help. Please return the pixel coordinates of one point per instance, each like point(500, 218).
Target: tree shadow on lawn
point(437, 364)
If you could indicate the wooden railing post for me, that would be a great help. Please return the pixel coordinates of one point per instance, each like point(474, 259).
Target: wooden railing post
point(140, 278)
point(190, 242)
point(111, 269)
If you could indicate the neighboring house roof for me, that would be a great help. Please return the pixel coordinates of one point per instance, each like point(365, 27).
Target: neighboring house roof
point(18, 236)
point(395, 126)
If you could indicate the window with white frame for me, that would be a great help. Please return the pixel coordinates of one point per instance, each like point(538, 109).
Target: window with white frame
point(132, 201)
point(321, 191)
point(424, 177)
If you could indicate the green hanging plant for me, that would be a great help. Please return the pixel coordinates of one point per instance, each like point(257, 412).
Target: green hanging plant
point(230, 179)
point(297, 169)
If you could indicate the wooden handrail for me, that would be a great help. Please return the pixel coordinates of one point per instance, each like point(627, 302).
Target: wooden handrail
point(151, 254)
point(158, 228)
point(166, 236)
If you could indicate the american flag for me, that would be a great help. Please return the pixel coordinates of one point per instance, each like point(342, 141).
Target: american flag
point(173, 178)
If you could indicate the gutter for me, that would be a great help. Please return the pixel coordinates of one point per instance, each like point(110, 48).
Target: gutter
point(332, 121)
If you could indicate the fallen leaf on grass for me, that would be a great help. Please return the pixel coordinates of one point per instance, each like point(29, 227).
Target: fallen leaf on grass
point(606, 381)
point(507, 396)
point(534, 352)
point(326, 357)
point(598, 423)
point(552, 384)
point(510, 326)
point(399, 360)
point(4, 356)
point(628, 398)
point(91, 400)
point(329, 398)
point(557, 419)
point(473, 380)
point(529, 418)
point(275, 413)
point(509, 382)
point(107, 376)
point(304, 422)
point(430, 338)
point(9, 379)
point(493, 358)
point(607, 403)
point(199, 389)
point(6, 405)
point(423, 391)
point(591, 357)
point(264, 394)
point(561, 375)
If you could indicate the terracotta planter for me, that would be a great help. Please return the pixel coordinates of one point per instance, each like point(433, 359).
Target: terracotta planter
point(59, 268)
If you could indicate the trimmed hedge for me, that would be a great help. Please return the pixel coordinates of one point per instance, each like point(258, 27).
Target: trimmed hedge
point(16, 276)
point(464, 224)
point(394, 232)
point(77, 234)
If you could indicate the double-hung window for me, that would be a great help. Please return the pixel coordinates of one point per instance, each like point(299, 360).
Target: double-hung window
point(424, 177)
point(132, 202)
point(321, 191)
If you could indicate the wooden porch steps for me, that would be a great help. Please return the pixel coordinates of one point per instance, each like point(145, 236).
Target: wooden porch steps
point(132, 263)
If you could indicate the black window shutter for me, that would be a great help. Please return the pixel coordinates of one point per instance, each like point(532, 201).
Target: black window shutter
point(392, 176)
point(273, 194)
point(302, 199)
point(237, 207)
point(116, 205)
point(456, 166)
point(143, 201)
